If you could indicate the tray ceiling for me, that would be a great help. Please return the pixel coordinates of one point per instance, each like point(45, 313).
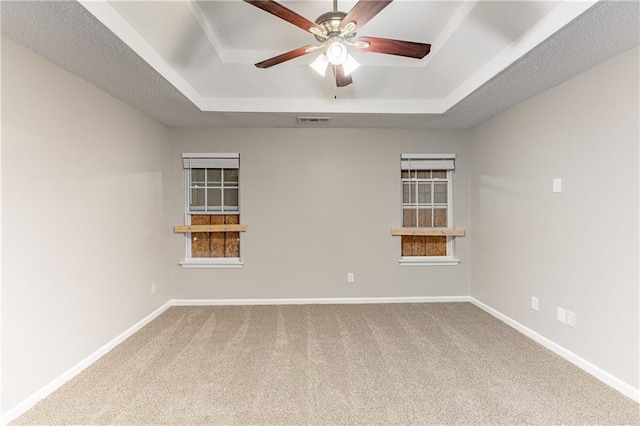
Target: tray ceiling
point(201, 56)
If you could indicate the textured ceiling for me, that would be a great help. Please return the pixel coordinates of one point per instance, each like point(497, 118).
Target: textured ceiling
point(69, 35)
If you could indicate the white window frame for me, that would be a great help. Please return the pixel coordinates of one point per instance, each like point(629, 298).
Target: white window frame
point(201, 160)
point(437, 162)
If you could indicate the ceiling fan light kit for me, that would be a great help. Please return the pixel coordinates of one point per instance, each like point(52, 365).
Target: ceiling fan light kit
point(320, 64)
point(336, 51)
point(335, 31)
point(350, 65)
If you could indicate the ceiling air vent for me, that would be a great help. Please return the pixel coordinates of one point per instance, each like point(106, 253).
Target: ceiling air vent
point(313, 119)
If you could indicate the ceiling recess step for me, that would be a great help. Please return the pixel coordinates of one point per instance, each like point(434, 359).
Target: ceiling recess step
point(313, 119)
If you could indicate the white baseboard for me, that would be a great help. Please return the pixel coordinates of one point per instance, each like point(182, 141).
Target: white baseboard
point(600, 374)
point(46, 390)
point(319, 301)
point(590, 368)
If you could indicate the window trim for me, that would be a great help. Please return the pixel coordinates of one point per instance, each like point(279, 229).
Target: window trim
point(447, 160)
point(429, 260)
point(189, 262)
point(212, 263)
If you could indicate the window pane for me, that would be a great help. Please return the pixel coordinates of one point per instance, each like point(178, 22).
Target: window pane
point(231, 177)
point(225, 244)
point(231, 239)
point(213, 177)
point(217, 238)
point(417, 245)
point(414, 245)
point(439, 174)
point(409, 218)
point(440, 193)
point(407, 245)
point(214, 199)
point(436, 246)
point(424, 174)
point(424, 218)
point(440, 218)
point(197, 177)
point(408, 193)
point(200, 241)
point(231, 199)
point(424, 192)
point(197, 199)
point(404, 174)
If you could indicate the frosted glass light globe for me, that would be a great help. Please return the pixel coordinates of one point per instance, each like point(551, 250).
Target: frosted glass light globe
point(337, 53)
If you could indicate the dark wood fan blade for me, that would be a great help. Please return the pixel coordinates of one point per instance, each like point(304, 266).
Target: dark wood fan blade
point(282, 12)
point(363, 12)
point(389, 46)
point(286, 56)
point(341, 79)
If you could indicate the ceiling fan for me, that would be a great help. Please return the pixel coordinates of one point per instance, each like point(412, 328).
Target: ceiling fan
point(335, 31)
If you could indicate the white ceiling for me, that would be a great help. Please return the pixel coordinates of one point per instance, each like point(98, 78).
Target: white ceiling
point(190, 63)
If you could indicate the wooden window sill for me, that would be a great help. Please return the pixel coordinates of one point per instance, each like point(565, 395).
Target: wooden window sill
point(182, 229)
point(430, 232)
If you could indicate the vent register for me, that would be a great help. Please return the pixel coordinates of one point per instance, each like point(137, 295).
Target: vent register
point(303, 120)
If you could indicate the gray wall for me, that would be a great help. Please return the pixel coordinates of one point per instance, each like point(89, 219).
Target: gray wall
point(577, 249)
point(318, 204)
point(83, 227)
point(90, 188)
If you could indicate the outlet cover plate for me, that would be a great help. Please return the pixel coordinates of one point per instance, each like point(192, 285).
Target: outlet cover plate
point(534, 303)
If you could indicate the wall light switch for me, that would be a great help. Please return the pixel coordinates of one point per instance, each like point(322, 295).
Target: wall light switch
point(562, 315)
point(557, 185)
point(534, 303)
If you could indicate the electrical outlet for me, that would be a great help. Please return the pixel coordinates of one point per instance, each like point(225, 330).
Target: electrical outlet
point(571, 319)
point(351, 278)
point(534, 303)
point(562, 315)
point(557, 185)
point(153, 288)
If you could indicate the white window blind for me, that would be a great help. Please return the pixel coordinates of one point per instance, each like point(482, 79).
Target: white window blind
point(211, 161)
point(428, 161)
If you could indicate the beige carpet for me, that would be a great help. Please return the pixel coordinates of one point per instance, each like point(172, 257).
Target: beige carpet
point(447, 363)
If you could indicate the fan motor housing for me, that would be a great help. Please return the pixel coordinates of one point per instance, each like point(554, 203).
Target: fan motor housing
point(331, 22)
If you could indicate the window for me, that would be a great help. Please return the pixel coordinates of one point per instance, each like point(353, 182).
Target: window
point(426, 209)
point(212, 198)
